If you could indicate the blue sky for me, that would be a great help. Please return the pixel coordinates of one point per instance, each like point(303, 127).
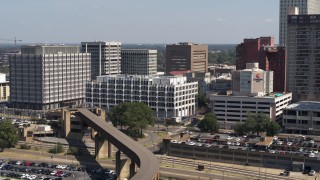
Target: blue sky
point(138, 21)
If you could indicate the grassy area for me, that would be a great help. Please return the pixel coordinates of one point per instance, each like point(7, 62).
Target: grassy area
point(161, 134)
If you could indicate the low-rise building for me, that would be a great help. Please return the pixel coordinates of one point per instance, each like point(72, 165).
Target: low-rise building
point(302, 118)
point(233, 109)
point(168, 96)
point(4, 88)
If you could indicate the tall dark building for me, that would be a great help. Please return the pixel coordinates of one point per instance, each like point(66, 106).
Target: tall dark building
point(270, 58)
point(303, 67)
point(187, 56)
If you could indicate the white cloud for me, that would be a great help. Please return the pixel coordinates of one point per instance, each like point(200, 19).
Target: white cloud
point(221, 19)
point(268, 20)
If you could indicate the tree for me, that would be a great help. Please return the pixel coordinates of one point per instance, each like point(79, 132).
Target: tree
point(240, 129)
point(209, 123)
point(136, 115)
point(8, 133)
point(202, 101)
point(56, 149)
point(261, 123)
point(255, 123)
point(273, 128)
point(116, 115)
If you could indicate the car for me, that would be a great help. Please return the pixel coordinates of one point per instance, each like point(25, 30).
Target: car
point(191, 143)
point(207, 145)
point(311, 141)
point(312, 173)
point(53, 172)
point(229, 137)
point(275, 138)
point(32, 177)
point(228, 143)
point(285, 173)
point(174, 141)
point(312, 155)
point(237, 144)
point(316, 151)
point(279, 142)
point(198, 144)
point(237, 139)
point(289, 143)
point(19, 163)
point(272, 151)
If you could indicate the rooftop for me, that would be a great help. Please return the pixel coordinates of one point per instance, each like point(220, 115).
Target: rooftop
point(305, 105)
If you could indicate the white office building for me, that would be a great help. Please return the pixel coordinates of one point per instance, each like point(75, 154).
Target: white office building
point(304, 7)
point(169, 97)
point(233, 109)
point(105, 57)
point(139, 61)
point(44, 77)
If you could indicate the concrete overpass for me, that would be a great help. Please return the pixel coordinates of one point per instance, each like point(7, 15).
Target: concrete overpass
point(142, 164)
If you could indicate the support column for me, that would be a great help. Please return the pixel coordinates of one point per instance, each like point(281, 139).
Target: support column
point(132, 169)
point(123, 167)
point(103, 148)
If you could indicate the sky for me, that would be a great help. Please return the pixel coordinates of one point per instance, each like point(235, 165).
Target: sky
point(138, 21)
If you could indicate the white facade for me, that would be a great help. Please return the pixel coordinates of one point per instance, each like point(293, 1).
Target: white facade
point(233, 109)
point(167, 96)
point(105, 57)
point(302, 118)
point(139, 61)
point(305, 7)
point(252, 81)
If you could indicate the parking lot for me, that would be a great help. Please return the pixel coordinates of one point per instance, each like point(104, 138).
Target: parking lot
point(296, 145)
point(46, 171)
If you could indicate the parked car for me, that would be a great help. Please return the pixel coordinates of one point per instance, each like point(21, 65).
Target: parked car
point(312, 173)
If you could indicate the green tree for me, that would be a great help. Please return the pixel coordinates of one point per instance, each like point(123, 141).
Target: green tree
point(8, 133)
point(56, 149)
point(273, 128)
point(136, 115)
point(240, 129)
point(116, 115)
point(261, 123)
point(250, 123)
point(202, 101)
point(209, 123)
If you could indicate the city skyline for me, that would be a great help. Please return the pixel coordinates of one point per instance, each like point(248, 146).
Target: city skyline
point(210, 22)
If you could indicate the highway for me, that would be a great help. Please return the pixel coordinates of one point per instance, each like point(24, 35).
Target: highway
point(146, 161)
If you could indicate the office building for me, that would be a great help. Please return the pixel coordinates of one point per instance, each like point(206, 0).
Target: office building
point(251, 92)
point(269, 56)
point(186, 56)
point(252, 81)
point(303, 67)
point(4, 88)
point(105, 57)
point(46, 77)
point(302, 118)
point(287, 6)
point(168, 96)
point(231, 110)
point(139, 61)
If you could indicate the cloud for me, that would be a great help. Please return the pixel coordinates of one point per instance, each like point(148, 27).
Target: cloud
point(268, 20)
point(221, 19)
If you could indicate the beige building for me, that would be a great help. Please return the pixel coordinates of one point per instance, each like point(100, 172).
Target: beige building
point(252, 81)
point(4, 88)
point(187, 56)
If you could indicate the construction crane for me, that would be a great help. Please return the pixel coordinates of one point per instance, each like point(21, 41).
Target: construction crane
point(15, 40)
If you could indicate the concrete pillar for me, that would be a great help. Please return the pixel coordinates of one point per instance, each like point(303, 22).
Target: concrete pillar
point(66, 114)
point(123, 167)
point(103, 148)
point(132, 169)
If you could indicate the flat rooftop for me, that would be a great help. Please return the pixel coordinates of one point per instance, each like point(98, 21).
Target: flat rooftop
point(305, 105)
